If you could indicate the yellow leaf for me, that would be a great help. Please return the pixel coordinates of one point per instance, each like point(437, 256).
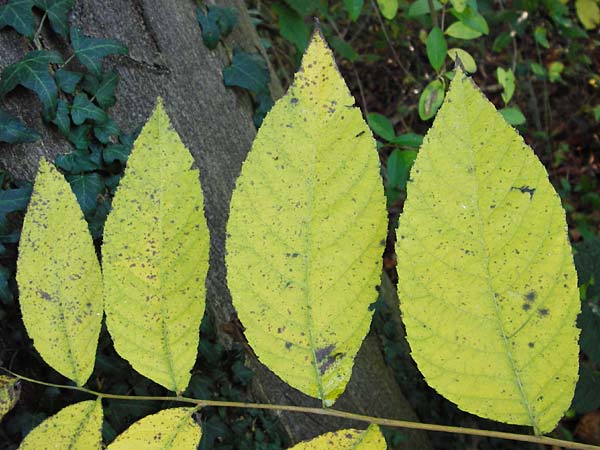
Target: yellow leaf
point(9, 394)
point(588, 13)
point(487, 285)
point(76, 427)
point(306, 231)
point(167, 429)
point(155, 257)
point(350, 439)
point(60, 284)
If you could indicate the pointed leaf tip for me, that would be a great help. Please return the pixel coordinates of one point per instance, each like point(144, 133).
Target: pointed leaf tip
point(486, 276)
point(307, 219)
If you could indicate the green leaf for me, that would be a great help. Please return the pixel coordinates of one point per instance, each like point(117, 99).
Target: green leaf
point(398, 168)
point(431, 99)
point(459, 30)
point(58, 13)
point(506, 79)
point(303, 7)
point(67, 81)
point(32, 73)
point(354, 8)
point(587, 261)
point(343, 48)
point(105, 130)
point(18, 15)
point(388, 8)
point(501, 42)
point(408, 140)
point(538, 69)
point(76, 162)
point(169, 429)
point(555, 70)
point(486, 277)
point(216, 24)
point(87, 188)
point(155, 254)
point(305, 231)
point(83, 109)
point(421, 7)
point(60, 285)
point(589, 321)
point(76, 427)
point(248, 71)
point(62, 119)
point(348, 439)
point(587, 392)
point(472, 19)
point(12, 200)
point(459, 5)
point(513, 115)
point(91, 51)
point(80, 136)
point(540, 35)
point(10, 392)
point(292, 26)
point(588, 13)
point(437, 48)
point(465, 58)
point(381, 126)
point(116, 152)
point(105, 92)
point(13, 131)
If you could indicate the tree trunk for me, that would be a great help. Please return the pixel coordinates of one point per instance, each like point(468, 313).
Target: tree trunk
point(167, 58)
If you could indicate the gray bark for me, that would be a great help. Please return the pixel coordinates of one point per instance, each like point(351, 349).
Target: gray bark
point(167, 58)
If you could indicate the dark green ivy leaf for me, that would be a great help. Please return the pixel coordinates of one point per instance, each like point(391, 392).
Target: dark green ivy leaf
point(79, 136)
point(62, 119)
point(67, 81)
point(265, 103)
point(91, 51)
point(58, 13)
point(105, 91)
point(12, 200)
point(13, 131)
point(587, 262)
point(17, 14)
point(83, 109)
point(32, 73)
point(76, 162)
point(248, 71)
point(103, 131)
point(587, 391)
point(216, 23)
point(87, 188)
point(116, 152)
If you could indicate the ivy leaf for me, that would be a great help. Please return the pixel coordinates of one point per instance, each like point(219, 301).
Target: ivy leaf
point(105, 92)
point(13, 131)
point(91, 51)
point(105, 130)
point(76, 161)
point(169, 429)
point(12, 200)
point(58, 13)
point(216, 23)
point(306, 196)
point(116, 152)
point(62, 314)
point(62, 119)
point(18, 15)
point(248, 71)
point(348, 439)
point(32, 73)
point(87, 188)
point(80, 136)
point(83, 109)
point(486, 274)
point(67, 80)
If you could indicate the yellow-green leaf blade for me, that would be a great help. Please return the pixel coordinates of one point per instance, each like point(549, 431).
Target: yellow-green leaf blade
point(172, 428)
point(58, 273)
point(305, 232)
point(487, 284)
point(9, 394)
point(155, 257)
point(76, 427)
point(349, 439)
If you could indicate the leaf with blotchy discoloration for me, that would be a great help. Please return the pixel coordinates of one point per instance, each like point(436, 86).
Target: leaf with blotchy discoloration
point(169, 429)
point(155, 257)
point(349, 439)
point(60, 284)
point(9, 394)
point(486, 280)
point(307, 224)
point(76, 427)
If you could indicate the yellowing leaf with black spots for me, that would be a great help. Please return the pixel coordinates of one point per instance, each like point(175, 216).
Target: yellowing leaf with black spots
point(59, 279)
point(9, 394)
point(167, 429)
point(487, 285)
point(350, 439)
point(76, 427)
point(306, 231)
point(155, 257)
